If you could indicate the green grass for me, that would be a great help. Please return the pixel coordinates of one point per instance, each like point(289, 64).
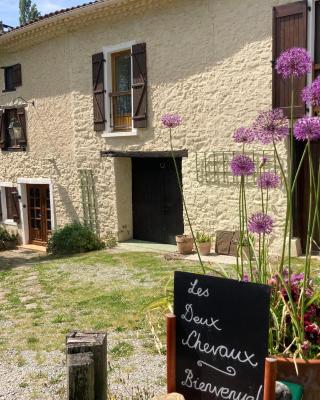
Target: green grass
point(122, 349)
point(93, 291)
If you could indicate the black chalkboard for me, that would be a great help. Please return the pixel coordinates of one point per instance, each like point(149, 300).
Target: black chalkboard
point(222, 337)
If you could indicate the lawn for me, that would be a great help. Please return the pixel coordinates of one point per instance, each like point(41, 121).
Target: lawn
point(108, 291)
point(43, 299)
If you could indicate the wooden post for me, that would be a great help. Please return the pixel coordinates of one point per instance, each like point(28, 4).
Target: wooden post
point(171, 353)
point(94, 342)
point(80, 376)
point(270, 377)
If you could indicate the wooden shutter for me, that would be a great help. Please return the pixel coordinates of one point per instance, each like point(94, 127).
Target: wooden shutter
point(15, 203)
point(139, 85)
point(289, 30)
point(22, 120)
point(2, 130)
point(98, 91)
point(16, 75)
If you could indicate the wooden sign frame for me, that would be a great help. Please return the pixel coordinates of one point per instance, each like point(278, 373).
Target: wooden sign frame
point(270, 374)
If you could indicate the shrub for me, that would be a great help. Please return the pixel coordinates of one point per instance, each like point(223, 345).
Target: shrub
point(7, 240)
point(73, 238)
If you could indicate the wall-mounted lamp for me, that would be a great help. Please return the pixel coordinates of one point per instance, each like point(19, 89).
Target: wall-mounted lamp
point(15, 130)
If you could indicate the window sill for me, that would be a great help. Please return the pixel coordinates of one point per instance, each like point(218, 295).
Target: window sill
point(9, 222)
point(14, 149)
point(119, 134)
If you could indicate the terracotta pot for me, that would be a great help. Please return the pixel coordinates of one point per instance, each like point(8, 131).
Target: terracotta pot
point(184, 244)
point(309, 375)
point(204, 248)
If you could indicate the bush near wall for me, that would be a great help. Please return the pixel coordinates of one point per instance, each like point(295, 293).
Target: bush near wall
point(8, 240)
point(74, 238)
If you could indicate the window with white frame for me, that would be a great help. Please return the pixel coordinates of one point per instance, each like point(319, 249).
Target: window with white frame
point(119, 76)
point(9, 203)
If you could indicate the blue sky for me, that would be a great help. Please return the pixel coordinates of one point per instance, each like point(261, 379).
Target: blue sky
point(9, 9)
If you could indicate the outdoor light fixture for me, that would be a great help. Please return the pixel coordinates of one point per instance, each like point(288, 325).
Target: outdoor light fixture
point(15, 130)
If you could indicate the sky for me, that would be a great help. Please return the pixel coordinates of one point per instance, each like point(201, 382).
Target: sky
point(9, 9)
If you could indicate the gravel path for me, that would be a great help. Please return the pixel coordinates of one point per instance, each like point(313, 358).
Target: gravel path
point(47, 372)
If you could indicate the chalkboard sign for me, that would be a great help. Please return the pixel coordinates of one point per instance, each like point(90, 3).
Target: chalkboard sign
point(222, 337)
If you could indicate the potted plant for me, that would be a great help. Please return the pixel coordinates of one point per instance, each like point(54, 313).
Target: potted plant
point(184, 244)
point(204, 243)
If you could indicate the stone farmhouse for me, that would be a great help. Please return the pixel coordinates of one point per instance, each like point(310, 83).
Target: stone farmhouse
point(82, 95)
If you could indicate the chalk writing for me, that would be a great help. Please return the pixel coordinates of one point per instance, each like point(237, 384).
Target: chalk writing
point(194, 342)
point(220, 392)
point(199, 291)
point(229, 370)
point(190, 317)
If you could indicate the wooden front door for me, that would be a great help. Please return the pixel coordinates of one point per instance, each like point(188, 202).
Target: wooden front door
point(156, 200)
point(302, 197)
point(39, 213)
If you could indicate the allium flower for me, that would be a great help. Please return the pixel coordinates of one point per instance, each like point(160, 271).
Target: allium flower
point(242, 165)
point(271, 126)
point(311, 94)
point(243, 135)
point(171, 120)
point(294, 62)
point(260, 223)
point(264, 161)
point(307, 128)
point(268, 180)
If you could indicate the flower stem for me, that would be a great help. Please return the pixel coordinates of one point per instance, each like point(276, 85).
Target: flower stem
point(184, 204)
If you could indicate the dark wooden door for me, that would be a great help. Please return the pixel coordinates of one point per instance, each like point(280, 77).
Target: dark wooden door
point(39, 213)
point(302, 197)
point(156, 200)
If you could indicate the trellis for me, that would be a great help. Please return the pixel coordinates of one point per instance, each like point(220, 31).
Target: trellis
point(214, 167)
point(89, 203)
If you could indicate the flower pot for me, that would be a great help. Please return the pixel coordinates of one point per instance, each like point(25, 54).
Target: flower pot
point(309, 375)
point(204, 248)
point(184, 244)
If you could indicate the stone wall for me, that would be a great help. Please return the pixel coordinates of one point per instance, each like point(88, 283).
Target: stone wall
point(208, 60)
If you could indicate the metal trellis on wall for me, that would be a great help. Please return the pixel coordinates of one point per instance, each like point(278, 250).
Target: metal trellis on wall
point(214, 167)
point(89, 203)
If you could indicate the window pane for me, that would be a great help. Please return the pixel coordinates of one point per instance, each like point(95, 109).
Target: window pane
point(123, 72)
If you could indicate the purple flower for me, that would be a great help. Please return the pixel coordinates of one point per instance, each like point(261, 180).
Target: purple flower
point(242, 165)
point(171, 120)
point(268, 180)
point(307, 128)
point(264, 161)
point(295, 62)
point(245, 278)
point(260, 223)
point(311, 94)
point(297, 278)
point(243, 135)
point(271, 126)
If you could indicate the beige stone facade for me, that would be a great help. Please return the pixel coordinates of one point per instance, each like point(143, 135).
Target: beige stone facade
point(207, 60)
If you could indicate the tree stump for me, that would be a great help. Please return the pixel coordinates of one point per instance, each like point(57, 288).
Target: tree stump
point(94, 342)
point(80, 376)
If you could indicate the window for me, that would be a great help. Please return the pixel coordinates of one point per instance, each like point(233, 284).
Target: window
point(13, 129)
point(9, 201)
point(120, 97)
point(12, 77)
point(119, 80)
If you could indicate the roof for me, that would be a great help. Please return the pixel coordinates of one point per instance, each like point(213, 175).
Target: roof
point(51, 15)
